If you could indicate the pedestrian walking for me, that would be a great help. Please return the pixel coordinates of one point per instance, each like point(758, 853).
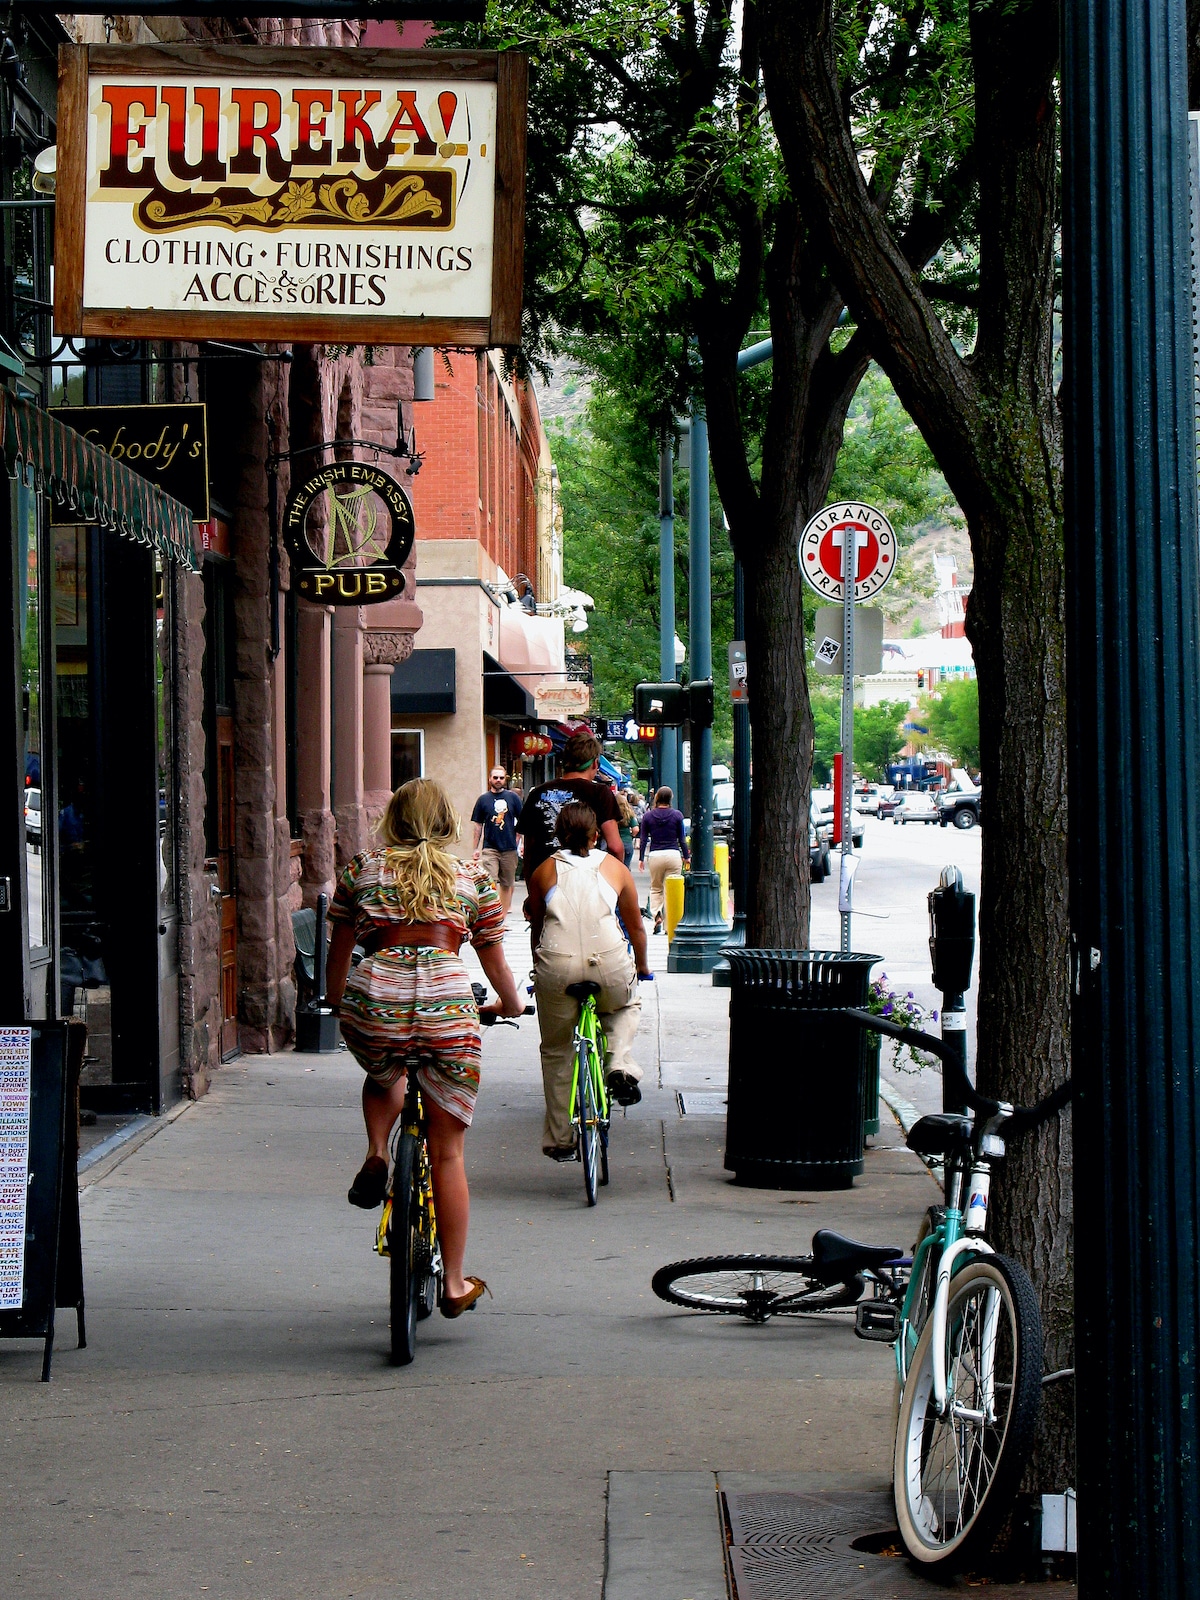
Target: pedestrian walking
point(662, 846)
point(579, 763)
point(574, 899)
point(494, 820)
point(410, 904)
point(625, 825)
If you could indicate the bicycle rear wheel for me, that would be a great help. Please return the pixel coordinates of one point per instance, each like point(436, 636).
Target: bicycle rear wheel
point(589, 1121)
point(404, 1255)
point(754, 1287)
point(954, 1476)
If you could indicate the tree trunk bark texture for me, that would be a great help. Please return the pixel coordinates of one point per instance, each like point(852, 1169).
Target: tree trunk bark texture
point(993, 426)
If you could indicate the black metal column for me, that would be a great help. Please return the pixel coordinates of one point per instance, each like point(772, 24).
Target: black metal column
point(740, 864)
point(1133, 595)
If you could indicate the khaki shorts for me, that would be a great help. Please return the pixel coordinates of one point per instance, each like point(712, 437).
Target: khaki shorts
point(501, 866)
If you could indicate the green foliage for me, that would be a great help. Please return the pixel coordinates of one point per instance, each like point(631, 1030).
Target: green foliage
point(877, 737)
point(608, 477)
point(885, 461)
point(952, 716)
point(827, 733)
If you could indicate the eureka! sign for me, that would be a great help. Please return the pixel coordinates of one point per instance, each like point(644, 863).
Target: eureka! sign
point(299, 194)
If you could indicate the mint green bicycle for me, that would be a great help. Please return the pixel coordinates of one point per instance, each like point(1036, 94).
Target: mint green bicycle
point(589, 1108)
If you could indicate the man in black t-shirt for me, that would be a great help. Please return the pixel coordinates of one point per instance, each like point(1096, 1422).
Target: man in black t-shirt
point(495, 822)
point(579, 761)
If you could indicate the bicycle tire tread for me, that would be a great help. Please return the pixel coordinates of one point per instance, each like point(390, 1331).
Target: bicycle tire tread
point(1020, 1430)
point(667, 1275)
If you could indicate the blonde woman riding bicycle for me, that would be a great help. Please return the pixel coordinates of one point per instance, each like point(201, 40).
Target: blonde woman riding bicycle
point(410, 904)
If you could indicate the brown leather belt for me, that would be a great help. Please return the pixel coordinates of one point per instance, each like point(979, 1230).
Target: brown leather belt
point(432, 935)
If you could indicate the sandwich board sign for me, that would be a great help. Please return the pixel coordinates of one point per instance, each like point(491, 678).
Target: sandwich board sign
point(231, 191)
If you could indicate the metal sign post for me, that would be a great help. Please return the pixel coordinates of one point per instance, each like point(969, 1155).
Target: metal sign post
point(847, 553)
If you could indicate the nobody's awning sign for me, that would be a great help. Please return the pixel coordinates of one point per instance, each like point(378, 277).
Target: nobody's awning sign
point(218, 191)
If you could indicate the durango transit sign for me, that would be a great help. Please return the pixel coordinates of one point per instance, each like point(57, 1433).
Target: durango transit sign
point(838, 528)
point(316, 194)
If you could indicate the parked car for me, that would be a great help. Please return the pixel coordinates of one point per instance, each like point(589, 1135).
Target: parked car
point(959, 803)
point(722, 809)
point(818, 854)
point(821, 816)
point(916, 805)
point(888, 804)
point(33, 818)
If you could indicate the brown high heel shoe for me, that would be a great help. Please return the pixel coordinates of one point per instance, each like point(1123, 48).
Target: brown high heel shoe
point(452, 1307)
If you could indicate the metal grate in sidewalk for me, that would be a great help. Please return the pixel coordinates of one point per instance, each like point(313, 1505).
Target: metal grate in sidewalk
point(802, 1547)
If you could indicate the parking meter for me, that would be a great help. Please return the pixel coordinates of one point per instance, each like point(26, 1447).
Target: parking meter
point(952, 952)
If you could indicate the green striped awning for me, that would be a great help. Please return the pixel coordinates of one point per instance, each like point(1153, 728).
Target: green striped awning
point(59, 461)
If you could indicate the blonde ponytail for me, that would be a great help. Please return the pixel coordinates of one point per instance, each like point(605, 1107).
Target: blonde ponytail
point(418, 827)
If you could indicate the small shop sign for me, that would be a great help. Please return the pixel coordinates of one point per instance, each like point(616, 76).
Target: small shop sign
point(319, 194)
point(557, 702)
point(349, 530)
point(167, 444)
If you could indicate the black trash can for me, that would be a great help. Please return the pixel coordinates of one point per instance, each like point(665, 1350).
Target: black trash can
point(797, 1079)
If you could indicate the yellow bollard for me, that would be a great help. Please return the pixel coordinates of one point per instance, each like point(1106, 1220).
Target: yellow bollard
point(673, 889)
point(721, 863)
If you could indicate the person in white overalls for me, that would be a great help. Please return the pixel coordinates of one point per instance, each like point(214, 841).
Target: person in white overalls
point(573, 901)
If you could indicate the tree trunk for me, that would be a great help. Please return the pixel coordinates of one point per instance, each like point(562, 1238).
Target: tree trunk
point(993, 427)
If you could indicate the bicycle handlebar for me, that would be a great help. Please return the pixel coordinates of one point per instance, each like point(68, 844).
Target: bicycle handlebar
point(961, 1087)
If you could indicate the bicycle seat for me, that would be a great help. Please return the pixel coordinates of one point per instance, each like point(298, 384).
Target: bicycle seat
point(584, 990)
point(833, 1255)
point(941, 1134)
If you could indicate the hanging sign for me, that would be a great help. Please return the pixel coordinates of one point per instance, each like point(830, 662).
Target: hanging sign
point(349, 530)
point(828, 535)
point(167, 444)
point(558, 702)
point(293, 194)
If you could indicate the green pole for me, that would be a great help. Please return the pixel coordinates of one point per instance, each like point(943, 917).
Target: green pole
point(668, 742)
point(1133, 698)
point(702, 931)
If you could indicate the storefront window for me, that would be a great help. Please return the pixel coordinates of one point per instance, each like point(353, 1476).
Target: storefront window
point(83, 979)
point(164, 707)
point(408, 755)
point(26, 524)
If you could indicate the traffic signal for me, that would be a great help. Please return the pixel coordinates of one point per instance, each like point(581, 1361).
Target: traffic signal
point(920, 677)
point(660, 705)
point(700, 703)
point(647, 735)
point(670, 705)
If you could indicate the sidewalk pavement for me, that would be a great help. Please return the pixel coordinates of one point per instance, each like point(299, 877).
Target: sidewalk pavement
point(234, 1430)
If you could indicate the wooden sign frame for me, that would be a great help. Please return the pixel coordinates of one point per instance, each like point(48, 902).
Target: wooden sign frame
point(507, 69)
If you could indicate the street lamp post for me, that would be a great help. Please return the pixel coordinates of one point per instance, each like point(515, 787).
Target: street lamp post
point(668, 738)
point(702, 931)
point(1133, 693)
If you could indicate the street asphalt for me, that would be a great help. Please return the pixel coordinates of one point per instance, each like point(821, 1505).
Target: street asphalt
point(234, 1429)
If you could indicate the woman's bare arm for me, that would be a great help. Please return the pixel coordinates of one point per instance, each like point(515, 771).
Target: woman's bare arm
point(621, 880)
point(499, 975)
point(535, 899)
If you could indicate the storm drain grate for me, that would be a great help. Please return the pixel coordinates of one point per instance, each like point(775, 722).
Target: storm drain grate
point(697, 1103)
point(801, 1547)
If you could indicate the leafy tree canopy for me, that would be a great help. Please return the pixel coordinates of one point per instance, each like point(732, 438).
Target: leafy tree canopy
point(952, 716)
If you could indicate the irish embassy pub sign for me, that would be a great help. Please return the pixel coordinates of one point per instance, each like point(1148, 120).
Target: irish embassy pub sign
point(301, 194)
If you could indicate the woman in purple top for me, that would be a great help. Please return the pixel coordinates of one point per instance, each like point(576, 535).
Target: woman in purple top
point(662, 847)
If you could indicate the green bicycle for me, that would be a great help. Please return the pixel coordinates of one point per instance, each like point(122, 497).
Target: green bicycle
point(589, 1108)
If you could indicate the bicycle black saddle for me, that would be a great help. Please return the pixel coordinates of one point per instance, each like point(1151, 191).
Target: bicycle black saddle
point(941, 1134)
point(583, 990)
point(833, 1253)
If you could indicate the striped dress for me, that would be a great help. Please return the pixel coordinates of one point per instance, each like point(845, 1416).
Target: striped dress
point(413, 998)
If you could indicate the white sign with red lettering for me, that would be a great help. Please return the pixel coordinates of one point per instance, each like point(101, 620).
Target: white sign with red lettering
point(285, 196)
point(848, 525)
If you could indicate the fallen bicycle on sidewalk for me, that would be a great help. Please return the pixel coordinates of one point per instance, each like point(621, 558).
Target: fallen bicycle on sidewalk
point(964, 1321)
